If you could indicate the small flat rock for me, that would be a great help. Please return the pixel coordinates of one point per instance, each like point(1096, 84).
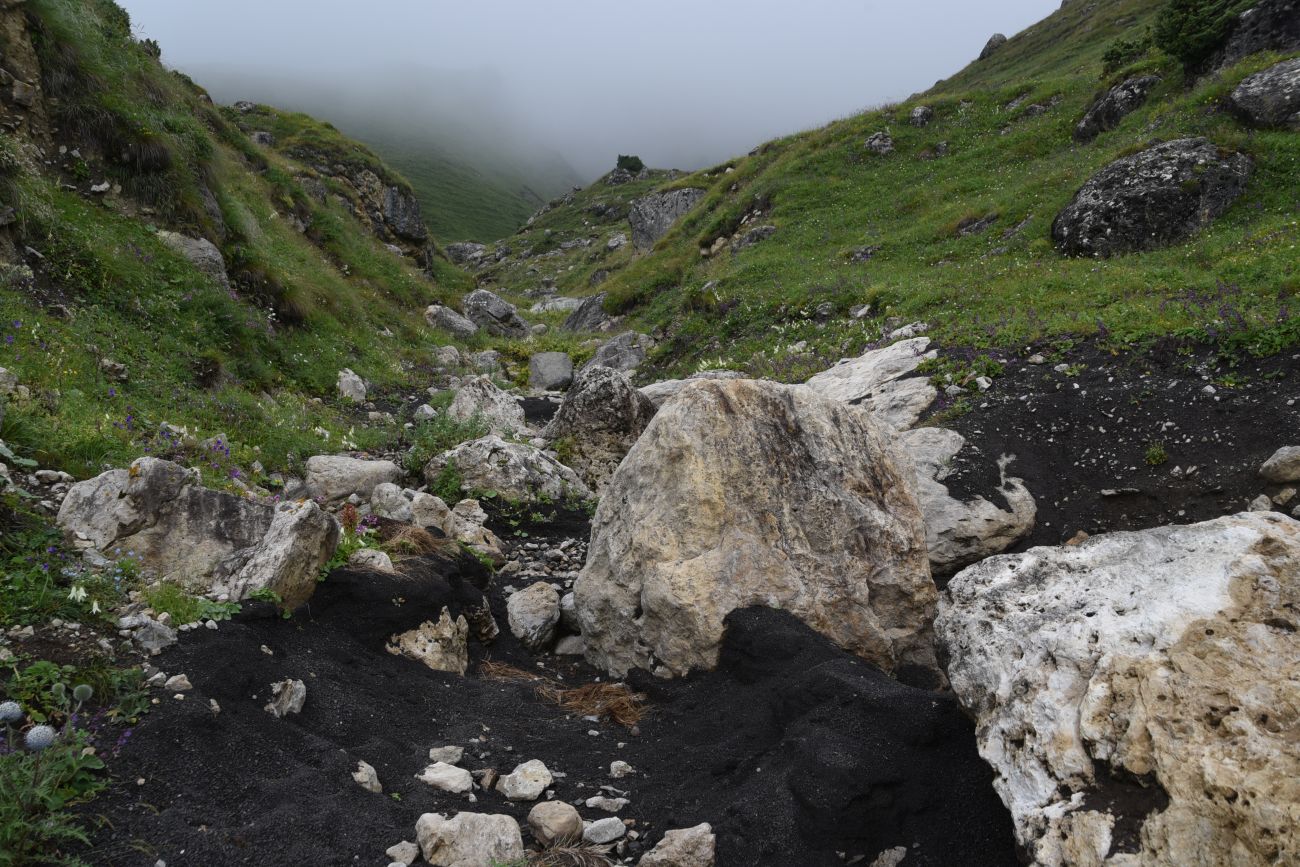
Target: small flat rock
point(367, 778)
point(404, 852)
point(447, 755)
point(178, 683)
point(620, 769)
point(604, 831)
point(447, 778)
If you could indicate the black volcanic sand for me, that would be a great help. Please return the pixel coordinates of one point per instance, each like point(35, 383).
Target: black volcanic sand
point(1081, 441)
point(793, 750)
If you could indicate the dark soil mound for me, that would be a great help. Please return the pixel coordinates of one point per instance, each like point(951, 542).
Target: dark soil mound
point(793, 750)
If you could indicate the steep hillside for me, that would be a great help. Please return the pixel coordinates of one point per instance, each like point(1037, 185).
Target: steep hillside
point(112, 332)
point(953, 225)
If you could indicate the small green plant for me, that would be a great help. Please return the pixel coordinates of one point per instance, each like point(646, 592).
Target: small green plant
point(1156, 454)
point(630, 163)
point(1192, 30)
point(438, 435)
point(946, 370)
point(185, 607)
point(448, 484)
point(1124, 51)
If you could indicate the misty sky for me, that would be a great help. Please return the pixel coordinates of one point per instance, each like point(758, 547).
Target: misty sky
point(682, 84)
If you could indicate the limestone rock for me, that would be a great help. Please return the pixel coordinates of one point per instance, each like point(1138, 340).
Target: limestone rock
point(624, 352)
point(287, 560)
point(958, 533)
point(604, 831)
point(534, 613)
point(446, 778)
point(514, 470)
point(367, 778)
point(404, 853)
point(600, 419)
point(370, 560)
point(201, 253)
point(689, 847)
point(550, 371)
point(1166, 656)
point(743, 493)
point(880, 143)
point(469, 840)
point(1117, 103)
point(287, 696)
point(552, 821)
point(652, 216)
point(389, 501)
point(334, 478)
point(441, 645)
point(881, 381)
point(449, 320)
point(591, 316)
point(494, 314)
point(1283, 466)
point(526, 782)
point(351, 387)
point(1270, 98)
point(465, 253)
point(479, 396)
point(1152, 199)
point(922, 115)
point(660, 392)
point(429, 511)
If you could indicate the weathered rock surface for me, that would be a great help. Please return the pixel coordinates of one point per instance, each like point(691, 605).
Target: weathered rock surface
point(465, 252)
point(600, 419)
point(550, 371)
point(652, 216)
point(479, 397)
point(880, 143)
point(534, 613)
point(743, 493)
point(659, 392)
point(180, 531)
point(514, 470)
point(526, 782)
point(1283, 466)
point(1270, 98)
point(351, 387)
point(440, 645)
point(449, 320)
point(494, 314)
point(201, 253)
point(367, 778)
point(1270, 25)
point(554, 820)
point(957, 532)
point(1151, 199)
point(625, 352)
point(591, 316)
point(688, 847)
point(1116, 104)
point(1136, 694)
point(390, 501)
point(996, 41)
point(334, 478)
point(287, 696)
point(881, 381)
point(469, 840)
point(446, 778)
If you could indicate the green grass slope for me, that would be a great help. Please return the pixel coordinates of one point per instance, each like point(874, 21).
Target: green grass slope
point(1006, 162)
point(85, 279)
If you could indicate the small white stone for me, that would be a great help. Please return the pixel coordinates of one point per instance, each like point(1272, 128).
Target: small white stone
point(604, 831)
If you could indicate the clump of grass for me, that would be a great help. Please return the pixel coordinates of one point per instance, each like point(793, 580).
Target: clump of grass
point(571, 852)
point(416, 541)
point(185, 607)
point(1156, 454)
point(613, 701)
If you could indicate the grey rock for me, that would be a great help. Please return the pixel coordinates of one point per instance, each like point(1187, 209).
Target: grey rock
point(688, 847)
point(560, 303)
point(469, 840)
point(513, 470)
point(351, 387)
point(534, 612)
point(603, 831)
point(922, 115)
point(1270, 25)
point(494, 314)
point(1270, 98)
point(1152, 199)
point(1283, 466)
point(262, 137)
point(652, 216)
point(996, 41)
point(526, 782)
point(466, 253)
point(1117, 103)
point(550, 371)
point(446, 778)
point(334, 478)
point(287, 696)
point(201, 253)
point(660, 392)
point(440, 645)
point(449, 320)
point(754, 236)
point(591, 316)
point(601, 417)
point(880, 143)
point(401, 212)
point(367, 778)
point(478, 397)
point(883, 381)
point(624, 352)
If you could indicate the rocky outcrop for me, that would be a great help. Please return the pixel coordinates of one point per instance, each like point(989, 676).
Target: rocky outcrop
point(201, 253)
point(880, 143)
point(600, 419)
point(550, 371)
point(1270, 98)
point(652, 216)
point(660, 392)
point(449, 320)
point(466, 253)
point(401, 213)
point(961, 532)
point(1270, 25)
point(591, 316)
point(442, 645)
point(744, 493)
point(1116, 104)
point(157, 512)
point(882, 382)
point(1152, 199)
point(478, 397)
point(513, 470)
point(996, 41)
point(334, 478)
point(1135, 694)
point(625, 352)
point(494, 314)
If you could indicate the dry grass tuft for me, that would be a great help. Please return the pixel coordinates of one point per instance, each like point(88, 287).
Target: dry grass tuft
point(612, 701)
point(416, 541)
point(571, 853)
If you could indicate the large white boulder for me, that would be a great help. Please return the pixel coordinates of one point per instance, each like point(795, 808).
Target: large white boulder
point(1162, 665)
point(287, 560)
point(516, 471)
point(469, 840)
point(961, 532)
point(478, 397)
point(744, 492)
point(884, 382)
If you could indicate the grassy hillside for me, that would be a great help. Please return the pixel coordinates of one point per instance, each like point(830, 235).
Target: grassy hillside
point(86, 280)
point(1010, 162)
